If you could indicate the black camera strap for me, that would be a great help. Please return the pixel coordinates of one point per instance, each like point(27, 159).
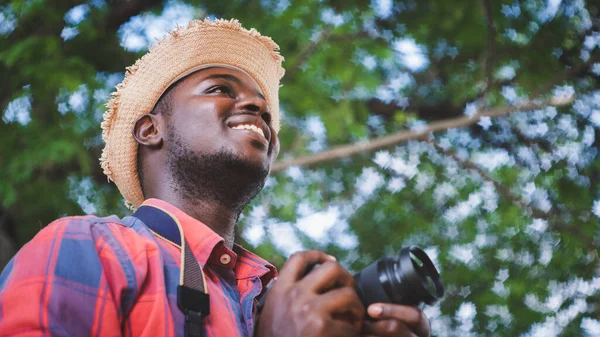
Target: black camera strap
point(192, 294)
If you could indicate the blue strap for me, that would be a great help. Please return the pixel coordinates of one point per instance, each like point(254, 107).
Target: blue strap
point(159, 222)
point(191, 298)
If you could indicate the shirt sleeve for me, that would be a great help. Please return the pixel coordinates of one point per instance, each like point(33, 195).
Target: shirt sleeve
point(75, 278)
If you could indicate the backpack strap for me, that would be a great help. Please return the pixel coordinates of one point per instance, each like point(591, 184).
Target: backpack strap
point(192, 293)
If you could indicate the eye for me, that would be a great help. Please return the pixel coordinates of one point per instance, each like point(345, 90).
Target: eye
point(220, 89)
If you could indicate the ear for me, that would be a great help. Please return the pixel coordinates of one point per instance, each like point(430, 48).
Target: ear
point(146, 131)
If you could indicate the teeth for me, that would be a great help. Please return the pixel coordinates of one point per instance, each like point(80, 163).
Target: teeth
point(249, 127)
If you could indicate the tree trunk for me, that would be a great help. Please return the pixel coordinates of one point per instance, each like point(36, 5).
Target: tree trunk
point(8, 237)
point(7, 249)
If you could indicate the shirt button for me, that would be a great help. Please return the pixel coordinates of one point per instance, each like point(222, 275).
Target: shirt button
point(225, 259)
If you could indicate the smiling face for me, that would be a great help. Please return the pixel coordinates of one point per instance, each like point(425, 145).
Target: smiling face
point(219, 110)
point(209, 138)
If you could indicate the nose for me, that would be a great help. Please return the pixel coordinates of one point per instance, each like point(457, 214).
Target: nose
point(256, 105)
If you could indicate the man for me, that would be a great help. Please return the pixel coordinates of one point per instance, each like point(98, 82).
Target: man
point(190, 135)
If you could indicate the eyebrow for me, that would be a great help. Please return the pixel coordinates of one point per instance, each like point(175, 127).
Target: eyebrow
point(232, 79)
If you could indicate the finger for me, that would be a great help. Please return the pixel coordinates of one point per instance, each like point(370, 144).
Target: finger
point(326, 276)
point(388, 328)
point(342, 300)
point(408, 314)
point(296, 266)
point(424, 327)
point(339, 328)
point(414, 318)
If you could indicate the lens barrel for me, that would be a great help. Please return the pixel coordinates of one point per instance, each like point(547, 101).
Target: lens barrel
point(408, 279)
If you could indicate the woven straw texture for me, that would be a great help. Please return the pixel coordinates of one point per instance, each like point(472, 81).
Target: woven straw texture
point(219, 42)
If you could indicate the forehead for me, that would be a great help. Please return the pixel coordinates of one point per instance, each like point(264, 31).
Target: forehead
point(234, 75)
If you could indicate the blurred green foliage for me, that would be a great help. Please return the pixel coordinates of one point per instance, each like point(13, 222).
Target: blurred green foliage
point(343, 66)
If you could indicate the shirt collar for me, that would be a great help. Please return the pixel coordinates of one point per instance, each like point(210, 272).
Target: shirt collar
point(206, 245)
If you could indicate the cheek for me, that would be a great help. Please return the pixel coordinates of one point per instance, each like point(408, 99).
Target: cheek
point(202, 123)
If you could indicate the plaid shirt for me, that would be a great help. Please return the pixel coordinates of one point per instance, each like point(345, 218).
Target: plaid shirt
point(90, 276)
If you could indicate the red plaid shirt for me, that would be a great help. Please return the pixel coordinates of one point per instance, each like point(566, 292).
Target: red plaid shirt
point(90, 276)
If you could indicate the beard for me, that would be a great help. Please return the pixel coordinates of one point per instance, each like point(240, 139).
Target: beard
point(224, 177)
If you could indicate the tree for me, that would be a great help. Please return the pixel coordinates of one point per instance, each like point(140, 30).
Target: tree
point(467, 128)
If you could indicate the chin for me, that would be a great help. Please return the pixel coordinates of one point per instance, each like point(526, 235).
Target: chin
point(254, 159)
point(229, 177)
point(263, 165)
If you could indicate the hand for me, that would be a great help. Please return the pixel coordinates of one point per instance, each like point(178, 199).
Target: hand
point(392, 320)
point(318, 304)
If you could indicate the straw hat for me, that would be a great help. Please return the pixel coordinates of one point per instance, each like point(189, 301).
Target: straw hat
point(201, 45)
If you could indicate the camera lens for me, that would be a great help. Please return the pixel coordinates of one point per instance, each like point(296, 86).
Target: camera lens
point(408, 279)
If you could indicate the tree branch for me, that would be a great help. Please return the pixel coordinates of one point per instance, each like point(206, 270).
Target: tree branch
point(307, 52)
point(491, 52)
point(506, 193)
point(509, 195)
point(405, 135)
point(121, 11)
point(347, 150)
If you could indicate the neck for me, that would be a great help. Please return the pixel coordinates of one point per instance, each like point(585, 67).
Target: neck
point(219, 216)
point(217, 204)
point(221, 219)
point(213, 188)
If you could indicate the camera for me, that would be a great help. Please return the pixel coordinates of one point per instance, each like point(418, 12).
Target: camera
point(408, 279)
